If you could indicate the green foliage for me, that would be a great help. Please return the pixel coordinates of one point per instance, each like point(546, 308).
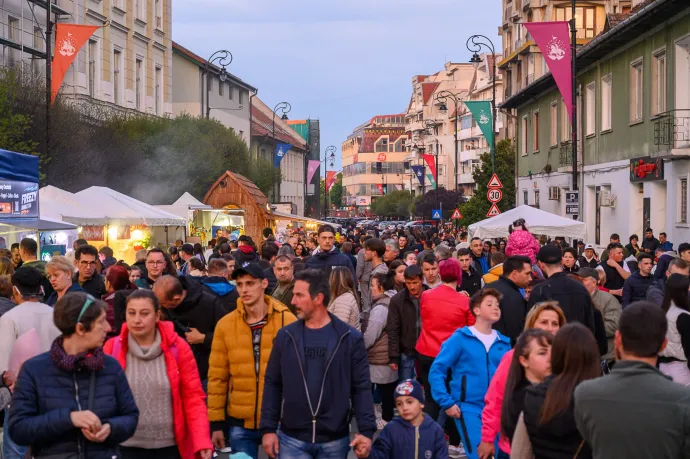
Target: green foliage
point(263, 174)
point(394, 204)
point(477, 207)
point(14, 127)
point(335, 194)
point(437, 199)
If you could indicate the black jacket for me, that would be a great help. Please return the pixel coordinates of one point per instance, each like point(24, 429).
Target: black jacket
point(558, 438)
point(272, 280)
point(635, 288)
point(651, 244)
point(245, 255)
point(513, 309)
point(326, 261)
point(219, 287)
point(572, 297)
point(582, 261)
point(472, 282)
point(198, 310)
point(656, 292)
point(402, 328)
point(95, 286)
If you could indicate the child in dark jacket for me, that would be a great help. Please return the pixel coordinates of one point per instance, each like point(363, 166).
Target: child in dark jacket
point(412, 435)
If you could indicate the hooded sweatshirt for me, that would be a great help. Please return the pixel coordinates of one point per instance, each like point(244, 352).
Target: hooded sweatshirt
point(401, 440)
point(220, 287)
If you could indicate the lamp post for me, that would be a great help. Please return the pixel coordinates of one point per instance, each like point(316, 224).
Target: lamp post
point(329, 157)
point(443, 97)
point(477, 41)
point(224, 58)
point(284, 108)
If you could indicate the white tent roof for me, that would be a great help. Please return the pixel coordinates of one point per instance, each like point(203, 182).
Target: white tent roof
point(537, 222)
point(61, 205)
point(183, 205)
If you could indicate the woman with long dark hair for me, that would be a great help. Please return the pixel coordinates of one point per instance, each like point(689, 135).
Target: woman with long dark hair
point(548, 409)
point(673, 360)
point(117, 279)
point(395, 277)
point(199, 253)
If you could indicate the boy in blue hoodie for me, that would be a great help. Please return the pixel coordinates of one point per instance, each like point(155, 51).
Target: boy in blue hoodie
point(472, 355)
point(412, 435)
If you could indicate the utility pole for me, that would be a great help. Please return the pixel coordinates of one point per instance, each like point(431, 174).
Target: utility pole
point(573, 44)
point(49, 76)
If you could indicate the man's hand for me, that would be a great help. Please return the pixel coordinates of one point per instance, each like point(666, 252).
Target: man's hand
point(218, 439)
point(206, 454)
point(271, 445)
point(361, 446)
point(612, 263)
point(97, 437)
point(394, 366)
point(194, 337)
point(454, 412)
point(485, 450)
point(618, 292)
point(85, 420)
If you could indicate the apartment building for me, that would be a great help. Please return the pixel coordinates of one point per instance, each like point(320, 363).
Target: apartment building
point(126, 64)
point(374, 160)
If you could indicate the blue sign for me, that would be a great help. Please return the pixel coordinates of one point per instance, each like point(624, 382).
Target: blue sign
point(419, 172)
point(281, 151)
point(436, 214)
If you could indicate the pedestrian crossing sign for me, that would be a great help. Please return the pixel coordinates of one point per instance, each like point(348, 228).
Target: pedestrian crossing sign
point(436, 214)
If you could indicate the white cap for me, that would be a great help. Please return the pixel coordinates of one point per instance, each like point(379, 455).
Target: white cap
point(589, 246)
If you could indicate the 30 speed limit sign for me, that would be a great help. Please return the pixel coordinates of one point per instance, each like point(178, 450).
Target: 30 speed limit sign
point(494, 195)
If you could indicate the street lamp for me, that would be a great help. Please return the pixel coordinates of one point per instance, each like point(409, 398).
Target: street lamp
point(329, 157)
point(224, 58)
point(443, 97)
point(284, 108)
point(475, 47)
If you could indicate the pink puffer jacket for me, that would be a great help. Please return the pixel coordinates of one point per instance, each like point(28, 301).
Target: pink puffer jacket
point(493, 402)
point(521, 242)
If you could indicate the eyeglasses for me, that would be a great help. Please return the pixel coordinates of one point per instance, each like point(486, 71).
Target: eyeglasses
point(155, 263)
point(87, 263)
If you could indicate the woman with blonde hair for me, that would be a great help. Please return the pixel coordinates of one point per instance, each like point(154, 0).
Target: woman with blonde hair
point(6, 266)
point(344, 303)
point(59, 272)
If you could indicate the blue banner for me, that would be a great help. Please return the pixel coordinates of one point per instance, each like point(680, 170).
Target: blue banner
point(419, 172)
point(281, 150)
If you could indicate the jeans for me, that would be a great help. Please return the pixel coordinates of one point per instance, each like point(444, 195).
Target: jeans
point(11, 450)
point(141, 453)
point(291, 448)
point(245, 441)
point(406, 370)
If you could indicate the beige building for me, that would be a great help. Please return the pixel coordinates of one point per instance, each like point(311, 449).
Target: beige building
point(126, 64)
point(228, 100)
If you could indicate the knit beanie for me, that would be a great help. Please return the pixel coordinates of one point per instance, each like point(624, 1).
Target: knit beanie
point(410, 388)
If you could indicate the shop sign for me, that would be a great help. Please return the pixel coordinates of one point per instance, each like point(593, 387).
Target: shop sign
point(381, 157)
point(18, 199)
point(646, 169)
point(363, 200)
point(92, 233)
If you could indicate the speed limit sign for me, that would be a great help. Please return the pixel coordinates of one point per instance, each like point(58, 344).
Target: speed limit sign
point(495, 195)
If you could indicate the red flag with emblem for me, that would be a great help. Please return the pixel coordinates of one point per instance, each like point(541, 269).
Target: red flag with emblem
point(69, 38)
point(330, 179)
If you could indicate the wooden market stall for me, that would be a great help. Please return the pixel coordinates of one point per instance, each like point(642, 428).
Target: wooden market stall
point(234, 191)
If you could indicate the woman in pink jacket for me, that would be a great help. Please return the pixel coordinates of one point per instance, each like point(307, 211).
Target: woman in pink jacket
point(547, 316)
point(521, 242)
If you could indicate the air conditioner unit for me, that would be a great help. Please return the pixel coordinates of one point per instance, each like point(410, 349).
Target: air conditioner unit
point(554, 193)
point(604, 199)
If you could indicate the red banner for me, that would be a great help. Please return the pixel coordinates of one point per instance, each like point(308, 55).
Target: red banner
point(431, 162)
point(553, 40)
point(380, 187)
point(69, 38)
point(330, 179)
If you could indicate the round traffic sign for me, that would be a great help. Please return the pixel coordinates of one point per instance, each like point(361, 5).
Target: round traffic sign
point(494, 195)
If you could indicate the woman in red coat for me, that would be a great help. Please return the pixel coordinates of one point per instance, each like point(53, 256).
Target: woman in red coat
point(163, 375)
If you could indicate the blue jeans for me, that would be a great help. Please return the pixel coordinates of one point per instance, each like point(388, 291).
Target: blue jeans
point(291, 448)
point(245, 441)
point(11, 450)
point(406, 369)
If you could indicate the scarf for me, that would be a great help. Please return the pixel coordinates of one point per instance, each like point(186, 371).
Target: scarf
point(90, 361)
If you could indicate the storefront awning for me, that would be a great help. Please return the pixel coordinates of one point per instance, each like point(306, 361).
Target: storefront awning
point(42, 224)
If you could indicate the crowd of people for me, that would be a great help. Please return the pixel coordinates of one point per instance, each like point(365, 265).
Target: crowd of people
point(437, 344)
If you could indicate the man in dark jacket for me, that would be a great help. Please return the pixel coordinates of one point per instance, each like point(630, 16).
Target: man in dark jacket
point(85, 260)
point(636, 286)
point(649, 243)
point(615, 269)
point(218, 285)
point(480, 260)
point(572, 296)
point(655, 294)
point(245, 252)
point(194, 312)
point(607, 410)
point(269, 252)
point(588, 259)
point(327, 256)
point(517, 274)
point(332, 381)
point(471, 278)
point(404, 323)
point(284, 272)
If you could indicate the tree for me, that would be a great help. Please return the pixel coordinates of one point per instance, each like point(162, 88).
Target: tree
point(478, 206)
point(394, 204)
point(335, 194)
point(437, 199)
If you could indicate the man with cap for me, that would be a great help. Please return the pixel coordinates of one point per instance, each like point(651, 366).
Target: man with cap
point(571, 295)
point(246, 252)
point(241, 348)
point(588, 259)
point(186, 253)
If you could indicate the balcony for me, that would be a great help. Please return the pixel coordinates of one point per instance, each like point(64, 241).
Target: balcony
point(465, 179)
point(469, 155)
point(672, 130)
point(507, 14)
point(565, 156)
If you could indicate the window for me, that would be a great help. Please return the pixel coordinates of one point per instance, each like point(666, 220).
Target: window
point(523, 135)
point(159, 89)
point(606, 90)
point(92, 67)
point(13, 34)
point(209, 82)
point(566, 127)
point(117, 66)
point(585, 20)
point(553, 127)
point(636, 90)
point(240, 96)
point(140, 9)
point(37, 45)
point(536, 198)
point(525, 197)
point(221, 88)
point(659, 82)
point(382, 145)
point(230, 91)
point(683, 201)
point(535, 131)
point(590, 110)
point(139, 81)
point(159, 14)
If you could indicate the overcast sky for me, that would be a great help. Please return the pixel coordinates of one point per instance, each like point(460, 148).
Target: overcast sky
point(339, 62)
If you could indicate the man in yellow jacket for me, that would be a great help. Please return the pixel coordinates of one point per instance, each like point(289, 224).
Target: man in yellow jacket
point(496, 271)
point(241, 347)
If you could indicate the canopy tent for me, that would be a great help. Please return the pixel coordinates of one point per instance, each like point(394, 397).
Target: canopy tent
point(184, 205)
point(41, 224)
point(537, 222)
point(57, 204)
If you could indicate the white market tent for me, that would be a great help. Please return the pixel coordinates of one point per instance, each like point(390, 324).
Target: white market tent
point(61, 205)
point(184, 206)
point(537, 222)
point(121, 209)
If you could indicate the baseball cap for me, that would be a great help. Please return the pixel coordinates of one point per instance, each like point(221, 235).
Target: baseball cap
point(550, 254)
point(589, 246)
point(252, 269)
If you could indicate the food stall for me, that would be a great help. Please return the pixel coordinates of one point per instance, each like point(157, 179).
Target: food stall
point(285, 222)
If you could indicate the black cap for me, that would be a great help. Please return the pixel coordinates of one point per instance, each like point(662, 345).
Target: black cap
point(550, 254)
point(252, 269)
point(187, 248)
